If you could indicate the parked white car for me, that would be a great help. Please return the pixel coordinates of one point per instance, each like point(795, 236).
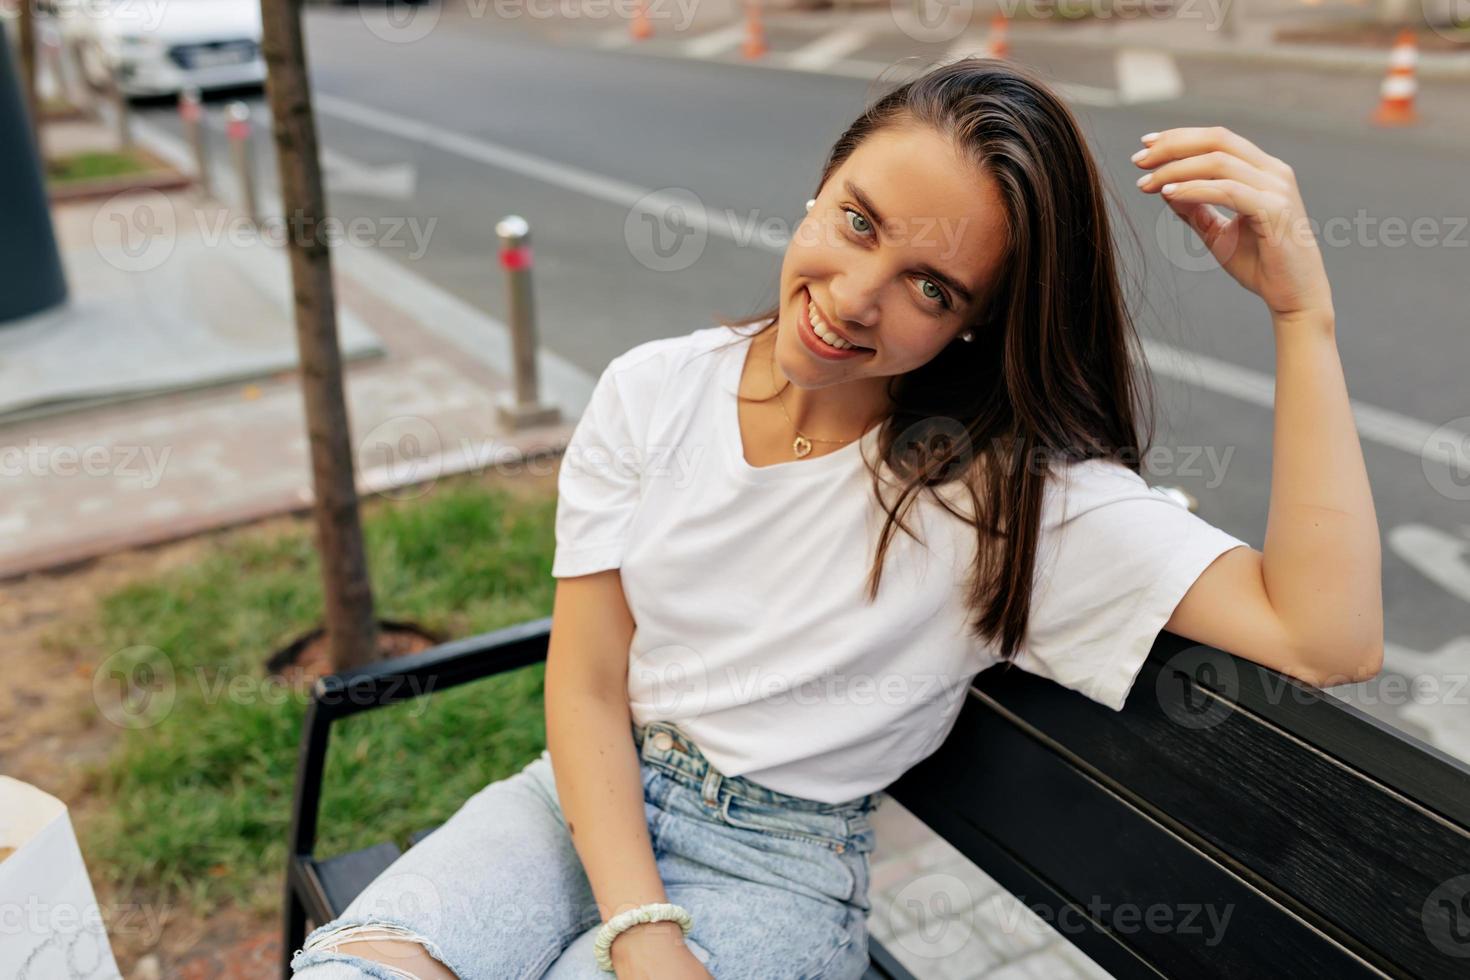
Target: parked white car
point(160, 47)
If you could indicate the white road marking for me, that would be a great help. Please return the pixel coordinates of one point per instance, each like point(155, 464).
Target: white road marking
point(614, 37)
point(1439, 556)
point(831, 47)
point(1379, 425)
point(397, 181)
point(716, 41)
point(1146, 76)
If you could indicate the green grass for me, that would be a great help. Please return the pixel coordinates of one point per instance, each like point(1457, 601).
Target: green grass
point(94, 164)
point(196, 806)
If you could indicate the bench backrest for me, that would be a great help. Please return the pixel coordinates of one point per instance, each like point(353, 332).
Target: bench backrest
point(1227, 822)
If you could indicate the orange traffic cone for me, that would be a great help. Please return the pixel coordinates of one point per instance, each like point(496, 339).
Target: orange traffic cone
point(755, 34)
point(996, 43)
point(641, 28)
point(1396, 105)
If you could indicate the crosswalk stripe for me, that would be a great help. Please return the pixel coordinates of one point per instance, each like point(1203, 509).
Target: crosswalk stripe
point(821, 53)
point(715, 41)
point(1147, 76)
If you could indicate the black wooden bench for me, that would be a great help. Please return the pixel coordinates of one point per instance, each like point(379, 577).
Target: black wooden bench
point(1337, 846)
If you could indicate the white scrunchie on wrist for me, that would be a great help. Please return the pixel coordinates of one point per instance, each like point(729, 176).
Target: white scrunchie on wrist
point(648, 912)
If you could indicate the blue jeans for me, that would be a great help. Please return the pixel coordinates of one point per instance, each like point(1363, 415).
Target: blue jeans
point(777, 885)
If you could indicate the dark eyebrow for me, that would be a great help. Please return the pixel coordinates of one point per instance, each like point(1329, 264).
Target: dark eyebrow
point(924, 267)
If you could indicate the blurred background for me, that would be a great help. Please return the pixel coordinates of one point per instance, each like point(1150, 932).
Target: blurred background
point(516, 191)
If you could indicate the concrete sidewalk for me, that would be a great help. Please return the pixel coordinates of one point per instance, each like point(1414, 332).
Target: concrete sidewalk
point(164, 399)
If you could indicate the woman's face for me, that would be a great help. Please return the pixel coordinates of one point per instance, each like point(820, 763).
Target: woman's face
point(866, 272)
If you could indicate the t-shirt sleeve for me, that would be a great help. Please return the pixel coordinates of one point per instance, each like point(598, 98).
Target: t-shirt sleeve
point(598, 485)
point(1114, 558)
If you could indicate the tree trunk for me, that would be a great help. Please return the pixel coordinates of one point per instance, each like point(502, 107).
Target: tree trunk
point(350, 621)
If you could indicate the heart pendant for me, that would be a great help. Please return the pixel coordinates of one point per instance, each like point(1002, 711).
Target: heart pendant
point(801, 446)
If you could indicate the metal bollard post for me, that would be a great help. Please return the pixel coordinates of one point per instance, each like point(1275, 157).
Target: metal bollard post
point(78, 72)
point(524, 408)
point(122, 114)
point(238, 131)
point(191, 111)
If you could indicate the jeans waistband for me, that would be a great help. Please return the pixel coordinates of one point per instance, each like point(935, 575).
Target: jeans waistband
point(677, 752)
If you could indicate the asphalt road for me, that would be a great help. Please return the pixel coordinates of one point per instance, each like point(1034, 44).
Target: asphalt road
point(496, 118)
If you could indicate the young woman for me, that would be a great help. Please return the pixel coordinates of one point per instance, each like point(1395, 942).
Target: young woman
point(745, 652)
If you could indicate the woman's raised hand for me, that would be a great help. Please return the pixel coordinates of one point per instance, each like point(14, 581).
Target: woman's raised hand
point(1269, 247)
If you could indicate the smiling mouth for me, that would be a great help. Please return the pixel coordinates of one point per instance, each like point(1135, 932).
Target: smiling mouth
point(823, 330)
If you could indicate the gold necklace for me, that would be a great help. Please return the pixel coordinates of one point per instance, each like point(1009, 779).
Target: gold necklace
point(801, 445)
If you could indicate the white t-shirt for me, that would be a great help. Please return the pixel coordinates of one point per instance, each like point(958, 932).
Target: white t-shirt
point(746, 584)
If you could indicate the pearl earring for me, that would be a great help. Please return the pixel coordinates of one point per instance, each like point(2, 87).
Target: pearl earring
point(968, 336)
point(811, 204)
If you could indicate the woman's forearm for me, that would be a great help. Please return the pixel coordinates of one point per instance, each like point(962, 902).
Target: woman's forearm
point(600, 786)
point(1322, 562)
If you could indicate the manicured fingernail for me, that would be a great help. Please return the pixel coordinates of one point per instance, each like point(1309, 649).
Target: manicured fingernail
point(1168, 188)
point(1149, 137)
point(1140, 155)
point(1144, 179)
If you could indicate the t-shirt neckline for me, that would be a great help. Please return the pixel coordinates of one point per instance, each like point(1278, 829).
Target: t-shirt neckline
point(792, 469)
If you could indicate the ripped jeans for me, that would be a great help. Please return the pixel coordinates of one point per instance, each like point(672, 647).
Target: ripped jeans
point(777, 885)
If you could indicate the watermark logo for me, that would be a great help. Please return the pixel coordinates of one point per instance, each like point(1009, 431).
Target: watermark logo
point(135, 687)
point(397, 22)
point(401, 457)
point(666, 229)
point(1445, 459)
point(933, 21)
point(1184, 701)
point(1446, 917)
point(135, 231)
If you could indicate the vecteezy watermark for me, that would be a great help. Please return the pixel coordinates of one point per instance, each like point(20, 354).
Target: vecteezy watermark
point(1445, 459)
point(845, 687)
point(1211, 12)
point(133, 20)
point(940, 21)
point(1162, 918)
point(666, 230)
point(654, 10)
point(144, 464)
point(945, 916)
point(1184, 249)
point(1446, 916)
point(398, 22)
point(139, 686)
point(1447, 18)
point(932, 21)
point(668, 679)
point(58, 919)
point(1197, 687)
point(942, 444)
point(137, 231)
point(404, 456)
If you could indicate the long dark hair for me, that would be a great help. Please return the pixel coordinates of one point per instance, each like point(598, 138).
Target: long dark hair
point(1050, 376)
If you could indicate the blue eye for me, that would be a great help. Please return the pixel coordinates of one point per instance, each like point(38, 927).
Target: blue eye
point(940, 299)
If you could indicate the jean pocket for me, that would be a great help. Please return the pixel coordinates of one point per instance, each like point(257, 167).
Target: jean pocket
point(828, 829)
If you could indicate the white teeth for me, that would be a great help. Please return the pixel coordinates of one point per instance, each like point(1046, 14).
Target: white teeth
point(820, 328)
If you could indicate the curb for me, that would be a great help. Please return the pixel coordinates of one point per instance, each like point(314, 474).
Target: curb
point(62, 558)
point(148, 180)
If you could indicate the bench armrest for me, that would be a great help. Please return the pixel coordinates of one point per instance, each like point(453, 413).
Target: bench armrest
point(396, 681)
